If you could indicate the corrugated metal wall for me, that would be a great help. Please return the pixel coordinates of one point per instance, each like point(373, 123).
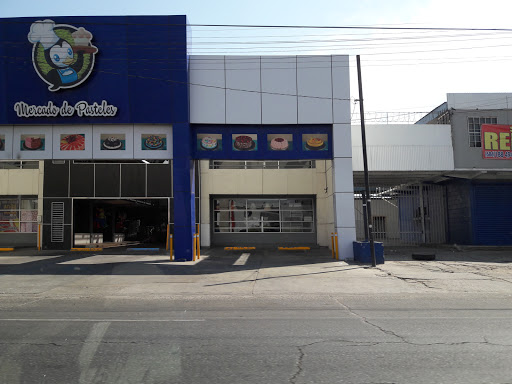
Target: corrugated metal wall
point(492, 214)
point(398, 216)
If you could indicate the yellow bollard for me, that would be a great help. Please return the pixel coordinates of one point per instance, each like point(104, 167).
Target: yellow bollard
point(170, 247)
point(332, 245)
point(167, 238)
point(336, 242)
point(198, 247)
point(194, 248)
point(198, 244)
point(39, 237)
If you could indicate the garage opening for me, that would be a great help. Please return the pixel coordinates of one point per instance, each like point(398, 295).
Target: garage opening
point(272, 220)
point(120, 221)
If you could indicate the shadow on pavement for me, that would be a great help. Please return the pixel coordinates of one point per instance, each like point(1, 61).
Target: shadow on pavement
point(213, 261)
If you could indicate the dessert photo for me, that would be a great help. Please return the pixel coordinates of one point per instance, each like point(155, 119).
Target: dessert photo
point(280, 142)
point(209, 142)
point(32, 142)
point(154, 142)
point(245, 142)
point(2, 142)
point(82, 39)
point(314, 142)
point(113, 142)
point(73, 142)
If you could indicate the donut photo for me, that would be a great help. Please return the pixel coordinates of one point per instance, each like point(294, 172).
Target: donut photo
point(279, 142)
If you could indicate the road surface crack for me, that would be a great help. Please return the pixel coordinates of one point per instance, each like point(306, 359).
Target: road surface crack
point(368, 322)
point(423, 282)
point(298, 364)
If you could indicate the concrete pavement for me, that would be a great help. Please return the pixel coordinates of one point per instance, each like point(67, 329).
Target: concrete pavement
point(255, 317)
point(259, 272)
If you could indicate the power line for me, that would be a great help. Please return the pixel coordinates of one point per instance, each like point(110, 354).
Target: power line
point(256, 26)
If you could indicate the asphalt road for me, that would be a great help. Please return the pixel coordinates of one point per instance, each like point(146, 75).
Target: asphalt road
point(51, 336)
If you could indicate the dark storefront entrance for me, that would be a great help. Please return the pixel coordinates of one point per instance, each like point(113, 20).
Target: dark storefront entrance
point(97, 221)
point(111, 201)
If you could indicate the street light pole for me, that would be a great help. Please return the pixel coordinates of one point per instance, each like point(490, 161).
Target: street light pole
point(365, 162)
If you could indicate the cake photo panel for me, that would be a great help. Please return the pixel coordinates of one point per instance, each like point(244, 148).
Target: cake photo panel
point(315, 142)
point(280, 142)
point(2, 142)
point(245, 142)
point(209, 142)
point(32, 142)
point(72, 142)
point(153, 142)
point(113, 142)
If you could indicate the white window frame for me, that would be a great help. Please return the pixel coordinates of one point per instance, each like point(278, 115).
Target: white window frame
point(474, 129)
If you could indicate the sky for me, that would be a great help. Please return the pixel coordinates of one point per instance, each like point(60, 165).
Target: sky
point(405, 72)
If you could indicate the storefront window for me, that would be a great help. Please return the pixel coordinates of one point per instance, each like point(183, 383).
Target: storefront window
point(18, 215)
point(263, 215)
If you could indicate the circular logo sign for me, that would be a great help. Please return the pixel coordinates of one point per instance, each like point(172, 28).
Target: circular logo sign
point(63, 55)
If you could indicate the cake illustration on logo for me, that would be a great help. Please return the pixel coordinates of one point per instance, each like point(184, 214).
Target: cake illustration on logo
point(32, 143)
point(63, 55)
point(315, 144)
point(209, 143)
point(112, 143)
point(154, 142)
point(279, 144)
point(75, 142)
point(244, 143)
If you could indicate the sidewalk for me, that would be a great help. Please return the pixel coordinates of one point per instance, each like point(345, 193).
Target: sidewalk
point(261, 272)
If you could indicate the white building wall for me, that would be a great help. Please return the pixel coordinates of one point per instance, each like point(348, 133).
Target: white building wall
point(479, 100)
point(342, 153)
point(269, 89)
point(404, 147)
point(280, 90)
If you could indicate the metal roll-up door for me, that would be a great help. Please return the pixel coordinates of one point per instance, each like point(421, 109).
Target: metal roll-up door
point(492, 214)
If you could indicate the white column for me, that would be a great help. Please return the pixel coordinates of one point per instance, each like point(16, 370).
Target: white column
point(345, 222)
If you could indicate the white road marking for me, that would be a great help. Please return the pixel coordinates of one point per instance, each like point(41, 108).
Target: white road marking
point(88, 351)
point(106, 320)
point(242, 260)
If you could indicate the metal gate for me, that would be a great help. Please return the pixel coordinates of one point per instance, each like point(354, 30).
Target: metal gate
point(405, 215)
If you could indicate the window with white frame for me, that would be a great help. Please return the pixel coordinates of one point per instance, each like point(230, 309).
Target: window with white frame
point(18, 214)
point(474, 124)
point(264, 215)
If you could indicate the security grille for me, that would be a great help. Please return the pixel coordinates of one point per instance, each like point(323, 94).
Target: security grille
point(57, 222)
point(405, 214)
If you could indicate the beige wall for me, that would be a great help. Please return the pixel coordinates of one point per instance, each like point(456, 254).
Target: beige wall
point(19, 181)
point(14, 182)
point(271, 182)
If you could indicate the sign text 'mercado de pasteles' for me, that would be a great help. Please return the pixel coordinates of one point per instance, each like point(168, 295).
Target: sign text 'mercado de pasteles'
point(95, 70)
point(63, 57)
point(80, 109)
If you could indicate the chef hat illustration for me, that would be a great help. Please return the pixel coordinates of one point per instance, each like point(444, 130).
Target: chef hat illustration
point(42, 32)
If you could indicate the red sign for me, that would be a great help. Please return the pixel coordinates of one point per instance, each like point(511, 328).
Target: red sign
point(496, 142)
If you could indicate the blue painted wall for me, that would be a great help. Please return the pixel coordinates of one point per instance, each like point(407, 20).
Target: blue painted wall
point(140, 67)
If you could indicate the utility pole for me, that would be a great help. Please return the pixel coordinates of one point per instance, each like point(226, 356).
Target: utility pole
point(365, 162)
